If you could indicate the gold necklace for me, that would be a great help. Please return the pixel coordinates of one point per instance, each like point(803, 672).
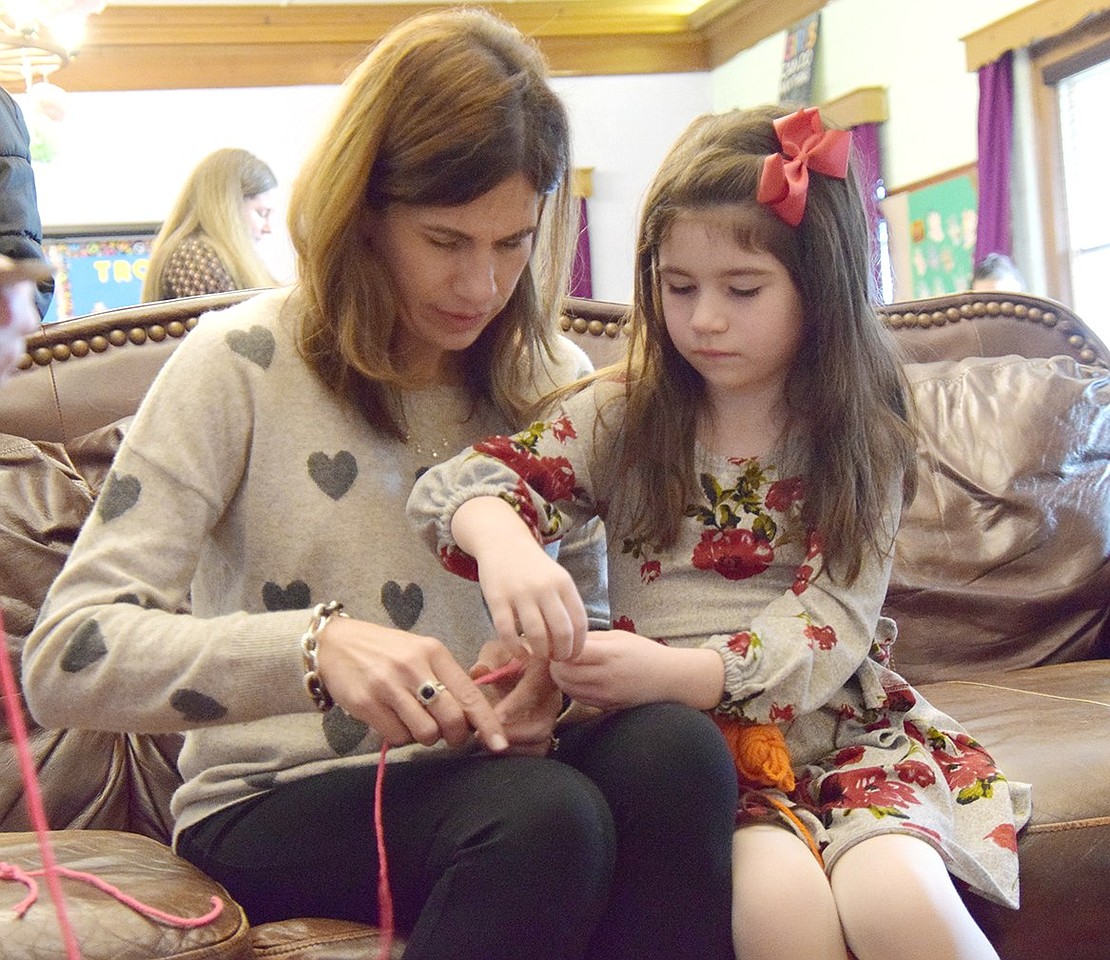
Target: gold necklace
point(429, 448)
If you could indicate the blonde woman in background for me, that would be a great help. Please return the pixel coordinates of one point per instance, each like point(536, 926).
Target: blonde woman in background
point(208, 243)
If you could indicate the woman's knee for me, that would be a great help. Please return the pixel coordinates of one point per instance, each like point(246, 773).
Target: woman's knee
point(548, 817)
point(670, 751)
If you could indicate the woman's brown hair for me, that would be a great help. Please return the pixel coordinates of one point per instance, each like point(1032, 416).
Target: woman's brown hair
point(446, 107)
point(847, 402)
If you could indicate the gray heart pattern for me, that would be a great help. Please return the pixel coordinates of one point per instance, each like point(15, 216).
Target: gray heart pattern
point(121, 492)
point(197, 707)
point(403, 606)
point(85, 647)
point(333, 475)
point(342, 731)
point(294, 596)
point(256, 344)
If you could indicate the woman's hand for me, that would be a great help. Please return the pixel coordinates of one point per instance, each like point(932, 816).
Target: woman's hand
point(534, 604)
point(374, 673)
point(526, 701)
point(618, 669)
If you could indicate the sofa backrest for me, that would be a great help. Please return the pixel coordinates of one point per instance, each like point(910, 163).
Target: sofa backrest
point(1002, 561)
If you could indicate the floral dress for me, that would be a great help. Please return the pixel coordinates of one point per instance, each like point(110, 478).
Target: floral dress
point(869, 754)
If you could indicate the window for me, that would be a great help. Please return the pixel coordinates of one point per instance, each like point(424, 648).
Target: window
point(1070, 87)
point(1084, 145)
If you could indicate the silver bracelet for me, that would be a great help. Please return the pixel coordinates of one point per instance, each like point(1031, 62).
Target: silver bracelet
point(313, 682)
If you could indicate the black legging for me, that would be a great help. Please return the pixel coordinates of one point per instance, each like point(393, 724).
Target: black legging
point(619, 847)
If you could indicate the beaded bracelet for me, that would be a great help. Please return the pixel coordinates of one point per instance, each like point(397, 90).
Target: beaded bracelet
point(313, 682)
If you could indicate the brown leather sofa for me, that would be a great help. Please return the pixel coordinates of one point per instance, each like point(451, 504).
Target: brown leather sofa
point(1001, 589)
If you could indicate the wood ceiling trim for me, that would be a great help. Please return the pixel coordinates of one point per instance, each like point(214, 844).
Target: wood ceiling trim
point(1045, 18)
point(185, 47)
point(742, 25)
point(862, 105)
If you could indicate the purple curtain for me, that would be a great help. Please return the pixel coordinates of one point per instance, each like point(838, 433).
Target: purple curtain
point(865, 142)
point(581, 283)
point(996, 136)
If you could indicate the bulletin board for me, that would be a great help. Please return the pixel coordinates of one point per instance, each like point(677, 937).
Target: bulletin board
point(932, 229)
point(97, 269)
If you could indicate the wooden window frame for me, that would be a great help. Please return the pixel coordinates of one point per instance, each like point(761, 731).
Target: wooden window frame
point(1051, 61)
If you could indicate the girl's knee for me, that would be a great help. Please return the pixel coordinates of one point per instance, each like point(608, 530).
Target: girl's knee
point(907, 866)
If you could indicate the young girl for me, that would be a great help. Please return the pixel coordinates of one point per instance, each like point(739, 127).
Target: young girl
point(751, 462)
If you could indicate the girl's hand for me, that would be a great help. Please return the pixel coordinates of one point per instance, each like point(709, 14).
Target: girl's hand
point(535, 606)
point(373, 672)
point(618, 669)
point(527, 702)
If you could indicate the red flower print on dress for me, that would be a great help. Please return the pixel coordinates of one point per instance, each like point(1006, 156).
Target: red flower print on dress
point(649, 571)
point(624, 623)
point(783, 494)
point(801, 579)
point(932, 834)
point(523, 504)
point(740, 643)
point(849, 755)
point(563, 430)
point(900, 699)
point(782, 714)
point(866, 789)
point(1005, 836)
point(458, 562)
point(970, 772)
point(551, 477)
point(734, 554)
point(815, 544)
point(824, 638)
point(914, 771)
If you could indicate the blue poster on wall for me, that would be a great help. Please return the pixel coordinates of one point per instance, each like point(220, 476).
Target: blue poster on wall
point(94, 274)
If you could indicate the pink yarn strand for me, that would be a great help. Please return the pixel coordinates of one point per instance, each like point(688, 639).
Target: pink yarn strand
point(385, 894)
point(386, 926)
point(50, 869)
point(33, 797)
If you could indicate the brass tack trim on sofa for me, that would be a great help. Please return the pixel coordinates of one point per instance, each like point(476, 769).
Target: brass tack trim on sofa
point(586, 317)
point(81, 347)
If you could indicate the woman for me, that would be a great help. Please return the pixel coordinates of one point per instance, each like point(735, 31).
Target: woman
point(267, 472)
point(208, 243)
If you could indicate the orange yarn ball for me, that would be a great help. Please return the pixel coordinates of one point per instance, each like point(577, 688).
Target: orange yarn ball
point(760, 752)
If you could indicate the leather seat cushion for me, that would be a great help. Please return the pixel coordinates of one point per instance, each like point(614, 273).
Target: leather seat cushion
point(1047, 726)
point(106, 929)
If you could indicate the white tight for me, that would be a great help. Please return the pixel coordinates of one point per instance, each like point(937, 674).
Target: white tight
point(888, 897)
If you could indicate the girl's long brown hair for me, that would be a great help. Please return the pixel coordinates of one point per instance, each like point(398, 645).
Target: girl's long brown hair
point(846, 398)
point(211, 204)
point(446, 107)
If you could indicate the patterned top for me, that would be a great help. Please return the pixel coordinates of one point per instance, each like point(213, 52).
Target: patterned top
point(248, 486)
point(746, 579)
point(195, 268)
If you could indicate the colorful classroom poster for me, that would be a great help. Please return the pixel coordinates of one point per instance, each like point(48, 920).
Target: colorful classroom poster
point(95, 274)
point(942, 224)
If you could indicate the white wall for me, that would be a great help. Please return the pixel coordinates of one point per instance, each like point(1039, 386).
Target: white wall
point(622, 127)
point(912, 49)
point(121, 157)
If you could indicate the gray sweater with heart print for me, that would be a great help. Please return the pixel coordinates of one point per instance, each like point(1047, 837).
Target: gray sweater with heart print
point(248, 491)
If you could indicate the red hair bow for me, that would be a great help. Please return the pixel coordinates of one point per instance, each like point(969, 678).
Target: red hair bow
point(806, 145)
